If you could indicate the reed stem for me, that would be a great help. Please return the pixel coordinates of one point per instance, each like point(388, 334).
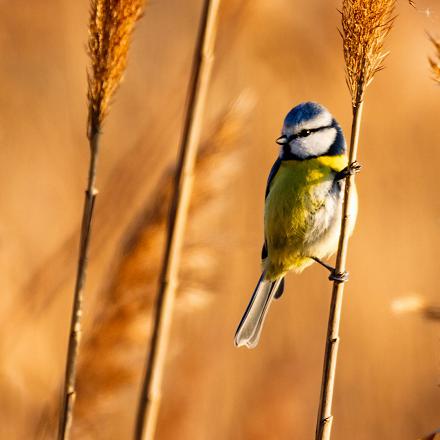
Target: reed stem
point(69, 390)
point(149, 403)
point(325, 417)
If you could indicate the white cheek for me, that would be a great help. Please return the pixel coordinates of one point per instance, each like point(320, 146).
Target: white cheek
point(316, 144)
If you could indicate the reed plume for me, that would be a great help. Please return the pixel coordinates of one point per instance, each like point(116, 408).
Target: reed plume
point(416, 304)
point(111, 23)
point(115, 346)
point(365, 25)
point(435, 62)
point(108, 379)
point(433, 436)
point(201, 71)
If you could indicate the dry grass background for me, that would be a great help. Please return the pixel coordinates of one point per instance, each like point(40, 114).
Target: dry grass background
point(281, 52)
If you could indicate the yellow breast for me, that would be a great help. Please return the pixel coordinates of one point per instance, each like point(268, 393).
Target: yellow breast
point(289, 204)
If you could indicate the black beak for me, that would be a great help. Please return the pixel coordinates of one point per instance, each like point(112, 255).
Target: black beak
point(282, 140)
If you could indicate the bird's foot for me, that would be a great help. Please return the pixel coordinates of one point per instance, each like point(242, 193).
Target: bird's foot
point(338, 277)
point(349, 170)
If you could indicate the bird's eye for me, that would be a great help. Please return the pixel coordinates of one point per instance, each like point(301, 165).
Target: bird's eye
point(304, 133)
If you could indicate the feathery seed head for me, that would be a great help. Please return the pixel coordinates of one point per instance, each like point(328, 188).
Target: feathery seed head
point(365, 24)
point(111, 24)
point(435, 62)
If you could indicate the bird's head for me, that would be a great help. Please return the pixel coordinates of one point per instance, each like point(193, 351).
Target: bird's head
point(309, 131)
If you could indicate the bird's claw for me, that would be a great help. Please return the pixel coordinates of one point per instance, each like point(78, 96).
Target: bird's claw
point(354, 167)
point(338, 277)
point(349, 170)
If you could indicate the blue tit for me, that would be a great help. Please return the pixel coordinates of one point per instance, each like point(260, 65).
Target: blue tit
point(303, 208)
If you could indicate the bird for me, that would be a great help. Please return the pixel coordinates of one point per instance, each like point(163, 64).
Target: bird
point(303, 208)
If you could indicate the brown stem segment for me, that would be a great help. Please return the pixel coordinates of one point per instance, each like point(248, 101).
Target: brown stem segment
point(325, 417)
point(69, 391)
point(201, 71)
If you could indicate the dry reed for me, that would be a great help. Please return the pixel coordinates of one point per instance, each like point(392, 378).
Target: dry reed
point(365, 25)
point(433, 436)
point(107, 373)
point(111, 24)
point(201, 71)
point(415, 304)
point(114, 346)
point(435, 62)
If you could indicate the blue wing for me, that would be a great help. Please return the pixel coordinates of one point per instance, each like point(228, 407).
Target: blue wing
point(273, 172)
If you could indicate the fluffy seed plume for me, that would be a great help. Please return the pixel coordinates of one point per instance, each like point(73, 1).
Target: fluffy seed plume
point(109, 373)
point(435, 62)
point(111, 24)
point(114, 347)
point(365, 24)
point(433, 436)
point(415, 304)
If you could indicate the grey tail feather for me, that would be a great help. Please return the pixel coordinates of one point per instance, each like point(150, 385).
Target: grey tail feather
point(249, 329)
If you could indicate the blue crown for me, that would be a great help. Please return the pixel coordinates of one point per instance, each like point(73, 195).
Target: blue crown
point(303, 112)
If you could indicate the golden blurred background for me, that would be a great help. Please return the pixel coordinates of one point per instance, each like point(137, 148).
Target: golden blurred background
point(270, 56)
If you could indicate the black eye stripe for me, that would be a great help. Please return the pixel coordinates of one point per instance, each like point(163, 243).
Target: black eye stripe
point(307, 132)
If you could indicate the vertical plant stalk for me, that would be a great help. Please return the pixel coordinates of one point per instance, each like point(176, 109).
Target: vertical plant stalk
point(365, 24)
point(111, 23)
point(149, 402)
point(75, 327)
point(325, 418)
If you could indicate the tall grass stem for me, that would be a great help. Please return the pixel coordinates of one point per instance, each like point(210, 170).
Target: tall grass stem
point(365, 25)
point(325, 418)
point(111, 24)
point(69, 391)
point(149, 402)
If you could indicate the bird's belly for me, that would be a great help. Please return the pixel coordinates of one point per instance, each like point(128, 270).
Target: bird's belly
point(321, 237)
